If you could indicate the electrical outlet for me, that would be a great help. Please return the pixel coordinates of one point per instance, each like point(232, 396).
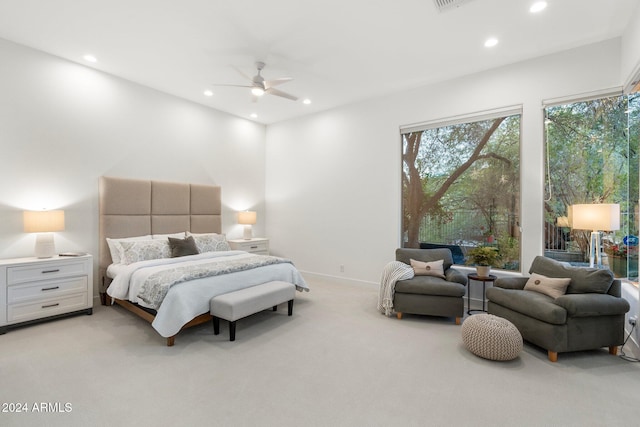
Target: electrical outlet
point(341, 268)
point(633, 320)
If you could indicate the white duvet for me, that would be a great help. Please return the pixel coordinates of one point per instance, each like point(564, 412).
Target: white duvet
point(184, 301)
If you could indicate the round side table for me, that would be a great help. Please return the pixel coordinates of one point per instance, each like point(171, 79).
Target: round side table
point(475, 278)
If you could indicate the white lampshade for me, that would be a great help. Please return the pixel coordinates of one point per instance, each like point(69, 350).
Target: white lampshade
point(596, 217)
point(247, 218)
point(44, 223)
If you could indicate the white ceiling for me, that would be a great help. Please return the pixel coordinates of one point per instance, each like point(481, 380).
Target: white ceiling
point(337, 51)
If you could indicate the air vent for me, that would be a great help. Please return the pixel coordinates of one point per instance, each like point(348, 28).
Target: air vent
point(444, 5)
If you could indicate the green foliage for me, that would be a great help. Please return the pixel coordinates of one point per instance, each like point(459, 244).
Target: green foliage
point(592, 153)
point(484, 255)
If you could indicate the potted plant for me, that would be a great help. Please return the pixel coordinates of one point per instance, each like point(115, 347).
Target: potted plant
point(483, 257)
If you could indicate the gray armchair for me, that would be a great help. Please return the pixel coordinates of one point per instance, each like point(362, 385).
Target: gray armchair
point(588, 316)
point(430, 295)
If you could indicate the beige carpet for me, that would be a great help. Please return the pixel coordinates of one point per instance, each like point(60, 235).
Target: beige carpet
point(336, 362)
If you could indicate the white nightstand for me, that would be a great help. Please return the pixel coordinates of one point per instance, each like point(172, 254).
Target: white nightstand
point(33, 289)
point(258, 245)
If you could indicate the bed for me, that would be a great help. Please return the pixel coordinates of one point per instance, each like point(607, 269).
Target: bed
point(144, 211)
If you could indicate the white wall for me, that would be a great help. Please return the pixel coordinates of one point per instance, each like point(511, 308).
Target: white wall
point(63, 125)
point(333, 178)
point(631, 48)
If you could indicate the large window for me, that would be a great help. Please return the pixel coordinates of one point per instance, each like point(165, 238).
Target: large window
point(592, 157)
point(461, 186)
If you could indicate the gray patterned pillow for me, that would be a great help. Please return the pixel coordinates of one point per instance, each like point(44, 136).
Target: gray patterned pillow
point(211, 242)
point(143, 250)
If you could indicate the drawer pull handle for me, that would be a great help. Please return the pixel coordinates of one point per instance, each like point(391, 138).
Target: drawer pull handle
point(50, 271)
point(50, 289)
point(254, 247)
point(51, 305)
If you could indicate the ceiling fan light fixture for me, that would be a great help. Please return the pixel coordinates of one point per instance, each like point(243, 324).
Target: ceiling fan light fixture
point(538, 6)
point(257, 91)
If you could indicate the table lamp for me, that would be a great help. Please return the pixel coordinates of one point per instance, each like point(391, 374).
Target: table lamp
point(247, 218)
point(596, 217)
point(44, 223)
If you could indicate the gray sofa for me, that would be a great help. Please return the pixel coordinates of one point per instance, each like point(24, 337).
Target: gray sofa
point(589, 316)
point(430, 295)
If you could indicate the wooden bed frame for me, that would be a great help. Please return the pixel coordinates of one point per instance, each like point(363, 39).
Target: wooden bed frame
point(130, 207)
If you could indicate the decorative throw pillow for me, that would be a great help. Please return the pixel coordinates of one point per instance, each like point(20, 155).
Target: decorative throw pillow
point(550, 286)
point(116, 249)
point(182, 247)
point(211, 242)
point(433, 268)
point(144, 250)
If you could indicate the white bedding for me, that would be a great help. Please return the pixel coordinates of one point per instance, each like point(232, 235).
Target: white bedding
point(184, 301)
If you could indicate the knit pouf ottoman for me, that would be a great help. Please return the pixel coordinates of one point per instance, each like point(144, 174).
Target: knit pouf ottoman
point(491, 337)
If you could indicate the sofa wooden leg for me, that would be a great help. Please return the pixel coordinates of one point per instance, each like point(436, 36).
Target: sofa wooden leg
point(399, 316)
point(553, 355)
point(458, 320)
point(613, 349)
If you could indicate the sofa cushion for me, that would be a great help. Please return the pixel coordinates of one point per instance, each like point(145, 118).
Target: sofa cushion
point(583, 279)
point(433, 268)
point(532, 304)
point(550, 286)
point(430, 285)
point(591, 305)
point(426, 255)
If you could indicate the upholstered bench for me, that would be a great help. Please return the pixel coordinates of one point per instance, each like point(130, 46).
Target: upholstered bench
point(245, 302)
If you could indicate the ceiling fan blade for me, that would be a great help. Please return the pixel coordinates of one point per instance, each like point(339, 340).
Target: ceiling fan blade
point(277, 92)
point(222, 84)
point(239, 71)
point(276, 82)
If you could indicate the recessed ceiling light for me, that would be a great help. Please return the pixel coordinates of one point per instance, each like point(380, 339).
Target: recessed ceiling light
point(254, 116)
point(90, 58)
point(306, 101)
point(208, 93)
point(491, 42)
point(538, 6)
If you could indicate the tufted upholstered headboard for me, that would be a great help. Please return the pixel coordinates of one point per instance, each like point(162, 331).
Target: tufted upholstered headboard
point(131, 207)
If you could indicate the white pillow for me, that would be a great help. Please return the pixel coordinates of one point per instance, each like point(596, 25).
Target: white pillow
point(210, 242)
point(433, 268)
point(550, 286)
point(144, 250)
point(180, 235)
point(116, 250)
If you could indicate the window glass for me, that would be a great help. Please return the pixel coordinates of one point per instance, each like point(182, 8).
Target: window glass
point(592, 157)
point(461, 187)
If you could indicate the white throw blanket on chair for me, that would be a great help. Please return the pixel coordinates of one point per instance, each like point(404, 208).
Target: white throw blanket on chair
point(392, 272)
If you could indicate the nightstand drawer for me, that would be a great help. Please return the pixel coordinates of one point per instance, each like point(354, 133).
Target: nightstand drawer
point(50, 307)
point(46, 289)
point(254, 246)
point(46, 271)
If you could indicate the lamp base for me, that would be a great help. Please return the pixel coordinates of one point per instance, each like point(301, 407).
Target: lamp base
point(45, 246)
point(595, 254)
point(247, 232)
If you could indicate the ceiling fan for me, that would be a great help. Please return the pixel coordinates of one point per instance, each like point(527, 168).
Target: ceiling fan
point(259, 86)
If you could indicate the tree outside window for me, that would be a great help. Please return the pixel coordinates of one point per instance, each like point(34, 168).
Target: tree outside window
point(592, 157)
point(461, 186)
